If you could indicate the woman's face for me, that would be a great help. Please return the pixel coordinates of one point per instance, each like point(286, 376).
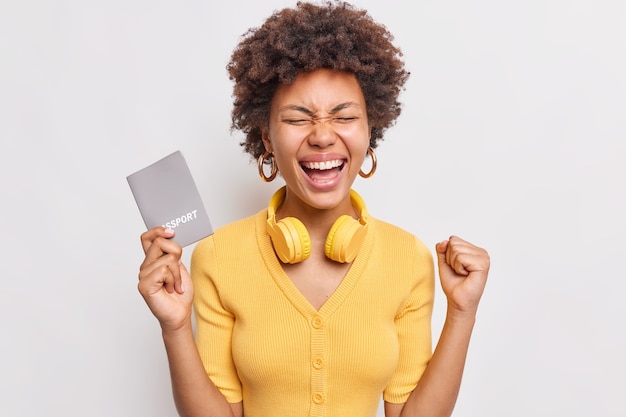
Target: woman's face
point(319, 134)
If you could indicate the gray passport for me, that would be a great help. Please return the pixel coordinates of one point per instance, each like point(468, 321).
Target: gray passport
point(166, 195)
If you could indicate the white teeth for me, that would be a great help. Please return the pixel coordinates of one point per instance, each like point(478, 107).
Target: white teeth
point(323, 165)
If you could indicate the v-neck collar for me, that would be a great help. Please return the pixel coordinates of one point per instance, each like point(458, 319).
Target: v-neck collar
point(289, 289)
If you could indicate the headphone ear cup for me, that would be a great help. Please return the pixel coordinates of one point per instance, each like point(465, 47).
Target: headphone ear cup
point(291, 240)
point(344, 239)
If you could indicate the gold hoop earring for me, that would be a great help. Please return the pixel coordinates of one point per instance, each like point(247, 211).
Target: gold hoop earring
point(372, 155)
point(261, 162)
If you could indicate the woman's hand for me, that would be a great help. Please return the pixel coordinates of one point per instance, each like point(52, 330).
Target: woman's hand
point(164, 282)
point(463, 270)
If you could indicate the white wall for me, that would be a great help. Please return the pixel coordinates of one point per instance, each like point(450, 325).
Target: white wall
point(513, 136)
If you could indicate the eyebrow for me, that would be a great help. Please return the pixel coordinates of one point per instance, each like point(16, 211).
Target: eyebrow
point(310, 112)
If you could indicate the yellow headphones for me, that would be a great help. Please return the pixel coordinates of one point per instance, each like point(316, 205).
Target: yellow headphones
point(292, 242)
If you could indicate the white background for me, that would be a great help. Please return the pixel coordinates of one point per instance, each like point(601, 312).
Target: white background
point(513, 136)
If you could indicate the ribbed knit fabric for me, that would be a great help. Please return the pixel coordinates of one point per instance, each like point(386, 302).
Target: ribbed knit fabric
point(262, 342)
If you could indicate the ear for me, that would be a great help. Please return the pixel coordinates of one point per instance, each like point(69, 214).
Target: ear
point(267, 142)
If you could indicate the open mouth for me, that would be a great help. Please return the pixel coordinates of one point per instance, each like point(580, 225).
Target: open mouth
point(323, 171)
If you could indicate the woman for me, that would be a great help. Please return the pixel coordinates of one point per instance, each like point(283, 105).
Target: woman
point(312, 307)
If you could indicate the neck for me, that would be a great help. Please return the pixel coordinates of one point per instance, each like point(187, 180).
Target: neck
point(317, 221)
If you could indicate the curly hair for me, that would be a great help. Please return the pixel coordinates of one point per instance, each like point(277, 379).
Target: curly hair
point(332, 34)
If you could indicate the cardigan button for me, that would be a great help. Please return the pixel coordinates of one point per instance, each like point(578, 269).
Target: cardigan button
point(317, 322)
point(318, 398)
point(318, 362)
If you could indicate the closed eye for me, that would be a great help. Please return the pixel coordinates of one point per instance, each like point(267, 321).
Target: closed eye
point(310, 121)
point(298, 122)
point(344, 119)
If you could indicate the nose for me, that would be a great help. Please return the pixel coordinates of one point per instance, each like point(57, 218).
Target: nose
point(322, 133)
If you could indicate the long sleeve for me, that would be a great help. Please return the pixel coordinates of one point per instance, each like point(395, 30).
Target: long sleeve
point(413, 325)
point(214, 324)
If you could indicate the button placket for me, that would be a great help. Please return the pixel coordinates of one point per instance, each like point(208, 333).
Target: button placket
point(318, 365)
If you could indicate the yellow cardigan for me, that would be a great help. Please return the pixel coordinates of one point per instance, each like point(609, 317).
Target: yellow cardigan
point(262, 342)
